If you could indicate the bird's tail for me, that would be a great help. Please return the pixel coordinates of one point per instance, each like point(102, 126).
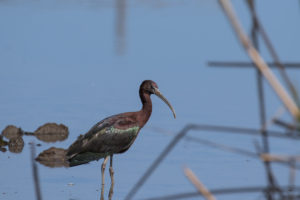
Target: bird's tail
point(84, 158)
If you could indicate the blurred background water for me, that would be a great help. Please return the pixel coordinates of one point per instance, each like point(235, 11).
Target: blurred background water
point(77, 62)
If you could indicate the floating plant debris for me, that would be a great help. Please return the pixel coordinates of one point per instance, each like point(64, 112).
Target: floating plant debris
point(2, 142)
point(3, 149)
point(49, 132)
point(52, 132)
point(12, 131)
point(16, 145)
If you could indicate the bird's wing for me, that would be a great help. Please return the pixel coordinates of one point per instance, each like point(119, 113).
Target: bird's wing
point(111, 135)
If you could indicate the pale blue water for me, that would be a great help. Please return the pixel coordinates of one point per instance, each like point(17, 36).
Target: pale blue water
point(59, 63)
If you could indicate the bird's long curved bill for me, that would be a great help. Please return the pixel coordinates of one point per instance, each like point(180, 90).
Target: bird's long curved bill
point(159, 94)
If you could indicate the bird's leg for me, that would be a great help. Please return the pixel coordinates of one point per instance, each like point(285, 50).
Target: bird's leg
point(111, 172)
point(102, 173)
point(103, 168)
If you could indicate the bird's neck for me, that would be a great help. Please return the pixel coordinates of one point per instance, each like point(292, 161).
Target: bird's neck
point(146, 110)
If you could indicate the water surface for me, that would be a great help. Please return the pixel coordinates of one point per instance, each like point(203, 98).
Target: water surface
point(77, 62)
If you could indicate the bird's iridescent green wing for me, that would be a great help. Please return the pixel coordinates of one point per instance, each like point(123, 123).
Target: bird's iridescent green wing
point(100, 127)
point(111, 135)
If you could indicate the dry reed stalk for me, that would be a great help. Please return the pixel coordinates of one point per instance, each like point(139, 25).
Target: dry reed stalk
point(279, 158)
point(286, 125)
point(259, 62)
point(243, 64)
point(280, 111)
point(200, 187)
point(273, 53)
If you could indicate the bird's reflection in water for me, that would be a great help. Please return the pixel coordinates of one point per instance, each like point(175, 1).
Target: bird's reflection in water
point(56, 157)
point(49, 132)
point(53, 157)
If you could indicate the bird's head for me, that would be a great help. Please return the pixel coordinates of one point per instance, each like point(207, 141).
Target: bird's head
point(151, 87)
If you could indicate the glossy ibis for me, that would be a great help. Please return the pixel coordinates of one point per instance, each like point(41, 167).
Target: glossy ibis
point(114, 134)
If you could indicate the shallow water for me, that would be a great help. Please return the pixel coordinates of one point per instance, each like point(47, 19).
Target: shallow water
point(77, 62)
